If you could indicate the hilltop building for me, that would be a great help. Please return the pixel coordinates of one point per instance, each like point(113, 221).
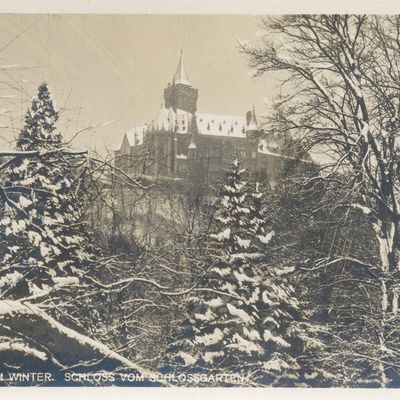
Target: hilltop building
point(182, 142)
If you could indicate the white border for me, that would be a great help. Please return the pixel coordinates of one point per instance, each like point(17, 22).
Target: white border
point(118, 393)
point(221, 7)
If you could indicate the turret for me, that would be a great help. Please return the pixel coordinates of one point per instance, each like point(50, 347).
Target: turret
point(252, 125)
point(180, 94)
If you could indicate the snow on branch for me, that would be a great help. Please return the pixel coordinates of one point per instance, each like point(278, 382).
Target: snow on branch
point(22, 348)
point(29, 153)
point(62, 343)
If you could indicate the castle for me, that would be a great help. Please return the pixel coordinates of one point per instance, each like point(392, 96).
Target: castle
point(184, 143)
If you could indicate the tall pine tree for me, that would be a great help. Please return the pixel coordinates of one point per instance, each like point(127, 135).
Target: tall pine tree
point(42, 237)
point(242, 318)
point(39, 131)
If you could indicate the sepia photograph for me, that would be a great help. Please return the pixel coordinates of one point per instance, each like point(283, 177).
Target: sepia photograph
point(200, 200)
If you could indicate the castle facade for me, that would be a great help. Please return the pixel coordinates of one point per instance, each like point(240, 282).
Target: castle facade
point(182, 142)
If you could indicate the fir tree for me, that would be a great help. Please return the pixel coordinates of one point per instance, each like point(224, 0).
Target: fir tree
point(41, 221)
point(243, 317)
point(39, 131)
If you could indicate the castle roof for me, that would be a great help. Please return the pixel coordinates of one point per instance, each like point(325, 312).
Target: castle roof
point(207, 124)
point(221, 125)
point(181, 75)
point(165, 120)
point(179, 121)
point(169, 120)
point(135, 136)
point(270, 148)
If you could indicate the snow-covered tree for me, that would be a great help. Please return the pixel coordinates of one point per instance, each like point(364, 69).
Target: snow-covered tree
point(39, 131)
point(340, 97)
point(41, 224)
point(242, 317)
point(51, 296)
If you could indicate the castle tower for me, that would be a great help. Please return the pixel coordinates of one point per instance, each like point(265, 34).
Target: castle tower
point(180, 94)
point(252, 125)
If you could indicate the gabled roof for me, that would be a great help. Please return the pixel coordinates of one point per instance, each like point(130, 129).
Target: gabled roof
point(180, 75)
point(169, 120)
point(164, 120)
point(272, 149)
point(135, 136)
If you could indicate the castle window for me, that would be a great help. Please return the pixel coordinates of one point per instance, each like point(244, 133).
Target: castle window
point(253, 154)
point(240, 152)
point(181, 166)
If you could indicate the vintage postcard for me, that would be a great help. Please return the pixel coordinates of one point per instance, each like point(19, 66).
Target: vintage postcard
point(199, 200)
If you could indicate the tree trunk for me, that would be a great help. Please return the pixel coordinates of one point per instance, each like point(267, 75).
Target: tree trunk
point(387, 235)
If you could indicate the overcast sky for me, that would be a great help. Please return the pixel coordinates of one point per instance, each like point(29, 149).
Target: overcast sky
point(104, 68)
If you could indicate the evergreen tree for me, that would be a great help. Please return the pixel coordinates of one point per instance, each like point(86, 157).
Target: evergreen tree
point(242, 318)
point(39, 131)
point(41, 221)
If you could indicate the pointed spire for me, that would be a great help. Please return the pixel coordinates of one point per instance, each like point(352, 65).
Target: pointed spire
point(253, 125)
point(180, 74)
